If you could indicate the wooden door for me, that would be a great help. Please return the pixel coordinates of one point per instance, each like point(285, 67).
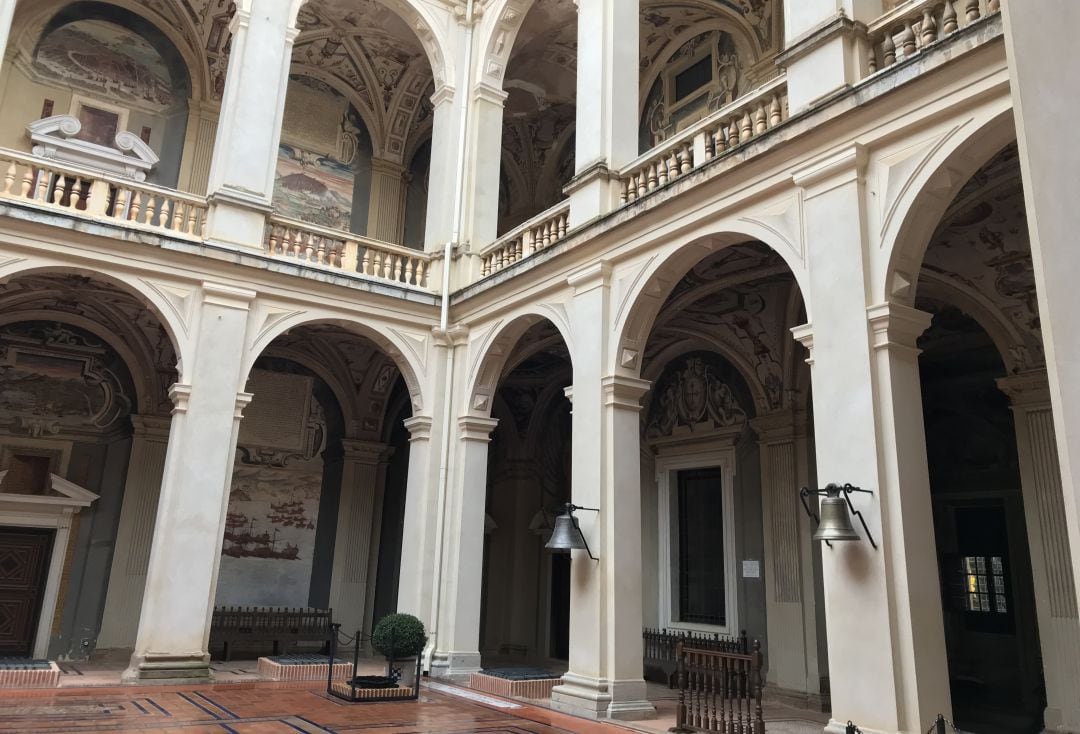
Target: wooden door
point(24, 568)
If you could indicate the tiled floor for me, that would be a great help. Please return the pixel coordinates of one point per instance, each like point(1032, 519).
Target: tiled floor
point(272, 708)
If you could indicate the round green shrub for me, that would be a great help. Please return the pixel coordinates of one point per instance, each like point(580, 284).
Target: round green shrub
point(399, 636)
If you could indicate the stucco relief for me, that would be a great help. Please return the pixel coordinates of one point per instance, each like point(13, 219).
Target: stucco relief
point(692, 396)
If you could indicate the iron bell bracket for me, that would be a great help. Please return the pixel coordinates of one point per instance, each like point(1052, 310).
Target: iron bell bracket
point(570, 509)
point(835, 490)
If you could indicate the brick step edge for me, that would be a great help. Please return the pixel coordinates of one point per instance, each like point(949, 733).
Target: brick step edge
point(31, 678)
point(271, 670)
point(535, 689)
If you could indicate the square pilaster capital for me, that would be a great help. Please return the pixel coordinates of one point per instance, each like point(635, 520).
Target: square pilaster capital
point(781, 426)
point(151, 427)
point(895, 326)
point(1029, 390)
point(229, 296)
point(366, 452)
point(476, 427)
point(593, 276)
point(419, 427)
point(804, 334)
point(624, 392)
point(830, 171)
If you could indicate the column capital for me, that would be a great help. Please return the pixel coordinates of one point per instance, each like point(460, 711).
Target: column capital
point(243, 400)
point(419, 427)
point(228, 296)
point(485, 92)
point(476, 428)
point(593, 276)
point(366, 452)
point(151, 427)
point(443, 95)
point(896, 326)
point(804, 334)
point(624, 392)
point(179, 394)
point(780, 426)
point(387, 167)
point(830, 171)
point(1029, 390)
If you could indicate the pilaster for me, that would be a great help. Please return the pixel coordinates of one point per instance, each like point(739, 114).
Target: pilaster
point(416, 574)
point(362, 477)
point(242, 171)
point(607, 104)
point(7, 13)
point(457, 646)
point(1048, 541)
point(791, 614)
point(181, 579)
point(386, 211)
point(134, 532)
point(199, 146)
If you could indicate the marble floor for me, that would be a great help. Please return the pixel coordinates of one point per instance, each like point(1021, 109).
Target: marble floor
point(273, 708)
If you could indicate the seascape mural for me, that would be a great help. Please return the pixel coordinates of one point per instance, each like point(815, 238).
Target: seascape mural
point(269, 540)
point(313, 188)
point(106, 58)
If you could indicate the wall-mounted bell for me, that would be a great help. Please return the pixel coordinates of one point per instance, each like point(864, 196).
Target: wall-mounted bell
point(835, 520)
point(567, 536)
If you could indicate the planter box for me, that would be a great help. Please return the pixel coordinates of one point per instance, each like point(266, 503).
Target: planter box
point(537, 688)
point(341, 689)
point(302, 668)
point(31, 674)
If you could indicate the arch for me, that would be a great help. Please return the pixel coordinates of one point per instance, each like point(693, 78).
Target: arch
point(409, 362)
point(498, 33)
point(165, 311)
point(929, 193)
point(32, 19)
point(489, 358)
point(423, 24)
point(639, 306)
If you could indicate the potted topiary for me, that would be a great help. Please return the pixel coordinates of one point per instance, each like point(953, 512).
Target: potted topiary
point(401, 639)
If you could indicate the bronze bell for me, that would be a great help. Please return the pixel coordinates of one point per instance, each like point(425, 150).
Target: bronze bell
point(835, 519)
point(566, 536)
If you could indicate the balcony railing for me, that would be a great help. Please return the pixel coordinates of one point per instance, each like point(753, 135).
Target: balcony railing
point(908, 29)
point(538, 233)
point(338, 250)
point(726, 129)
point(97, 196)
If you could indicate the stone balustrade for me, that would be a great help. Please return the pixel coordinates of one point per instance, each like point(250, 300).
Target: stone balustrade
point(538, 233)
point(348, 252)
point(913, 26)
point(724, 130)
point(95, 195)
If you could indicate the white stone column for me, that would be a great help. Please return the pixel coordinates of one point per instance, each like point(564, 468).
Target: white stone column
point(417, 535)
point(1037, 35)
point(457, 645)
point(386, 209)
point(605, 675)
point(241, 184)
point(886, 640)
point(607, 104)
point(791, 614)
point(362, 475)
point(826, 49)
point(7, 13)
point(134, 532)
point(1048, 541)
point(442, 175)
point(181, 578)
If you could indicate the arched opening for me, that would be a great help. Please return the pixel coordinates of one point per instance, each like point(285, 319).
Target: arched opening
point(994, 479)
point(726, 440)
point(357, 104)
point(320, 463)
point(85, 368)
point(525, 606)
point(113, 72)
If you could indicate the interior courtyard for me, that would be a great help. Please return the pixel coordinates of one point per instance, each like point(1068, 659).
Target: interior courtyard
point(689, 365)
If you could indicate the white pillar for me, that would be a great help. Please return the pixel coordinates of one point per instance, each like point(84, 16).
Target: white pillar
point(386, 208)
point(442, 174)
point(886, 640)
point(825, 47)
point(241, 184)
point(181, 579)
point(199, 146)
point(1048, 541)
point(607, 104)
point(363, 472)
point(134, 532)
point(791, 614)
point(7, 13)
point(457, 651)
point(1036, 32)
point(605, 676)
point(415, 577)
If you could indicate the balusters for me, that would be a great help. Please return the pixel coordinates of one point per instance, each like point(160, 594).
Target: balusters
point(927, 28)
point(949, 22)
point(971, 10)
point(907, 39)
point(992, 6)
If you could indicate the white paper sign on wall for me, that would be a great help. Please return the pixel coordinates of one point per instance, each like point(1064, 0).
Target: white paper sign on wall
point(751, 569)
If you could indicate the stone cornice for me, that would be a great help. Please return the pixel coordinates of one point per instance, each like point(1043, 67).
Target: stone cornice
point(228, 296)
point(592, 276)
point(815, 38)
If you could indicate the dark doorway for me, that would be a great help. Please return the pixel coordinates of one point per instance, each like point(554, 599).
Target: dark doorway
point(559, 635)
point(991, 634)
point(701, 522)
point(24, 568)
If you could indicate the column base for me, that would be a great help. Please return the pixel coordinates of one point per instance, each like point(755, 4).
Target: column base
point(836, 727)
point(236, 221)
point(153, 668)
point(456, 666)
point(596, 698)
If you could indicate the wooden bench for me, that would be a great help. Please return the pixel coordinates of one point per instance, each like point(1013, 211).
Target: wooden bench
point(661, 662)
point(279, 625)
